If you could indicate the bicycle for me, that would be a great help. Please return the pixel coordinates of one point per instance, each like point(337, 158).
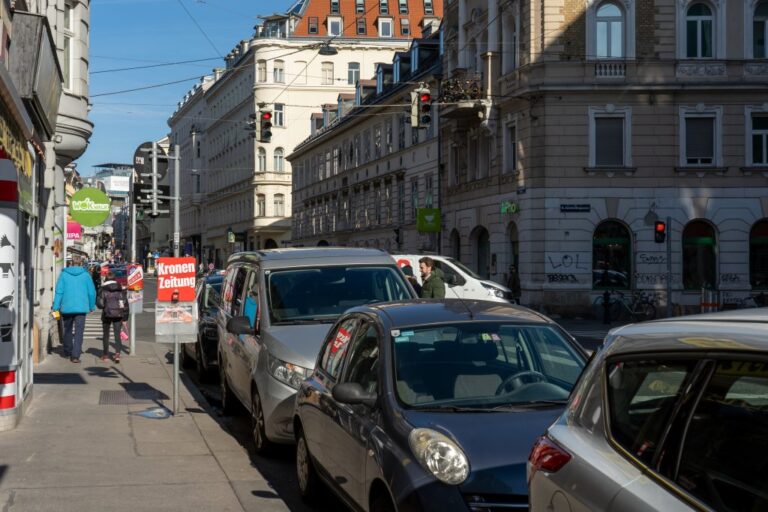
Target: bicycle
point(640, 308)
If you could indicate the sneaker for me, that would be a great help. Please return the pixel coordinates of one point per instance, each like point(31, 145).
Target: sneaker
point(75, 360)
point(105, 358)
point(116, 358)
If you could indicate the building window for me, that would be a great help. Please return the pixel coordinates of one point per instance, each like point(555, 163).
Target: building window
point(414, 136)
point(610, 32)
point(510, 149)
point(414, 198)
point(402, 6)
point(366, 146)
point(312, 25)
point(361, 28)
point(611, 256)
point(335, 26)
point(455, 162)
point(262, 160)
point(388, 136)
point(758, 140)
point(699, 32)
point(700, 136)
point(279, 160)
point(261, 205)
point(758, 256)
point(279, 203)
point(279, 113)
point(383, 6)
point(429, 190)
point(509, 50)
point(359, 6)
point(377, 141)
point(301, 72)
point(334, 6)
point(405, 27)
point(401, 132)
point(401, 202)
point(610, 140)
point(699, 256)
point(327, 72)
point(428, 8)
point(68, 33)
point(261, 71)
point(278, 72)
point(385, 27)
point(760, 32)
point(353, 73)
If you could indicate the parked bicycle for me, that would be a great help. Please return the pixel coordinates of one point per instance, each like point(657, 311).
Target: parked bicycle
point(639, 308)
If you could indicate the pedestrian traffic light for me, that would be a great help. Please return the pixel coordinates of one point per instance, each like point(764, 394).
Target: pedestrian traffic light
point(265, 130)
point(253, 126)
point(660, 232)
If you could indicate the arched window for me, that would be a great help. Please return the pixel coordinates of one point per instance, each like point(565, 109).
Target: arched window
point(455, 245)
point(279, 160)
point(760, 32)
point(610, 32)
point(699, 256)
point(261, 205)
point(758, 256)
point(279, 205)
point(699, 32)
point(262, 158)
point(611, 256)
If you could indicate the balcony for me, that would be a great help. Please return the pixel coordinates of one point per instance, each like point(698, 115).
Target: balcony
point(610, 69)
point(280, 178)
point(462, 97)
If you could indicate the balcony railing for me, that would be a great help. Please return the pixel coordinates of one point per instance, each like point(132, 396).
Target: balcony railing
point(610, 70)
point(466, 88)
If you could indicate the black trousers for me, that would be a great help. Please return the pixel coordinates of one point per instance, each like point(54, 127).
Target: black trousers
point(117, 324)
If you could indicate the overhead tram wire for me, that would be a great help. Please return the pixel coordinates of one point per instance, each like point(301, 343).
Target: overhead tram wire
point(199, 28)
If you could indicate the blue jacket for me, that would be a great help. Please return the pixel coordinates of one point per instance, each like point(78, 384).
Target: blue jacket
point(75, 292)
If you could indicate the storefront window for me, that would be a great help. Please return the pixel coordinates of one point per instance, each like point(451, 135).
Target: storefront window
point(611, 256)
point(699, 256)
point(758, 256)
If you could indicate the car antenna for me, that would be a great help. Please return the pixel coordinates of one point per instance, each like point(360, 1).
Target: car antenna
point(463, 303)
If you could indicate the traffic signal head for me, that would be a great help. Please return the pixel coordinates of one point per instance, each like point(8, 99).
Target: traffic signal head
point(265, 120)
point(660, 232)
point(425, 108)
point(253, 126)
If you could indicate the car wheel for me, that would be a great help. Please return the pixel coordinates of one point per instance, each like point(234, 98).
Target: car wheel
point(202, 372)
point(383, 504)
point(227, 398)
point(309, 481)
point(258, 426)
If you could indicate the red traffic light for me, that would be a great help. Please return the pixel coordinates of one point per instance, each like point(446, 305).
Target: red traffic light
point(660, 232)
point(425, 97)
point(661, 226)
point(266, 116)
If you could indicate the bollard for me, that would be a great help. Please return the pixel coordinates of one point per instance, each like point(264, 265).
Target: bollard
point(606, 307)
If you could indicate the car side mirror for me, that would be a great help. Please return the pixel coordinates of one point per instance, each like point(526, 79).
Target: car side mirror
point(239, 325)
point(353, 393)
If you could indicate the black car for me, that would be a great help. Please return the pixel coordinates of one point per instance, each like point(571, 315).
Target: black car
point(203, 353)
point(427, 405)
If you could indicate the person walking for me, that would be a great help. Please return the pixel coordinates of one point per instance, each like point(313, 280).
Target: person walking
point(432, 284)
point(513, 283)
point(74, 298)
point(113, 301)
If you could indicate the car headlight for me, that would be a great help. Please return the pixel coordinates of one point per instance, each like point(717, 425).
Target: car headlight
point(493, 291)
point(287, 373)
point(439, 455)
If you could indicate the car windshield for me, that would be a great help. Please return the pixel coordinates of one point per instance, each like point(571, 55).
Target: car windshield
point(324, 293)
point(464, 268)
point(484, 365)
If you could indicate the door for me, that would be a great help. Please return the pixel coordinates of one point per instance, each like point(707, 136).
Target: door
point(230, 343)
point(353, 423)
point(456, 286)
point(251, 343)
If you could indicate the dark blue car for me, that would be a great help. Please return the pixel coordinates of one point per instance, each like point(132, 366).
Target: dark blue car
point(427, 405)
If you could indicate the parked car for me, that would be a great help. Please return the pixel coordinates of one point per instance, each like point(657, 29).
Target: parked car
point(460, 281)
point(425, 405)
point(277, 306)
point(121, 274)
point(669, 415)
point(204, 353)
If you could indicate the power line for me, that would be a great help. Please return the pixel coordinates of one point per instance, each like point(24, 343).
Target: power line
point(162, 64)
point(199, 27)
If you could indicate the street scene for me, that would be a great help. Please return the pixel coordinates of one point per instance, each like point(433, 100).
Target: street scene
point(383, 255)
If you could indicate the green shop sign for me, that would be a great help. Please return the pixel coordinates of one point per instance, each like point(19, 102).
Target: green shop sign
point(90, 206)
point(428, 220)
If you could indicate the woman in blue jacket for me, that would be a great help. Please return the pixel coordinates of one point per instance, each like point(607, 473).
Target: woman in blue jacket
point(75, 297)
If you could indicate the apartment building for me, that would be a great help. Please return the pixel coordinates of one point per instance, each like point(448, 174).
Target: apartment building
point(295, 62)
point(364, 173)
point(569, 128)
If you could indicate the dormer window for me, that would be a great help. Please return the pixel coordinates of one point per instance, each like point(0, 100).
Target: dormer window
point(405, 27)
point(428, 8)
point(385, 27)
point(384, 8)
point(361, 30)
point(415, 58)
point(359, 6)
point(312, 27)
point(334, 26)
point(334, 6)
point(402, 6)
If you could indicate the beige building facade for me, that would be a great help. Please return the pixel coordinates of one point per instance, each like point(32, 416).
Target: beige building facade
point(569, 127)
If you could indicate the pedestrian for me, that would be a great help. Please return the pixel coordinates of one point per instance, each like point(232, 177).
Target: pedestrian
point(432, 284)
point(408, 273)
point(513, 283)
point(96, 276)
point(75, 297)
point(113, 302)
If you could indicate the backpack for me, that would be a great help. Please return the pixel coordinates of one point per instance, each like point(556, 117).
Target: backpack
point(114, 305)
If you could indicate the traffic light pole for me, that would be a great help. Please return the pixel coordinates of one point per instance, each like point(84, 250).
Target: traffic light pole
point(132, 316)
point(669, 267)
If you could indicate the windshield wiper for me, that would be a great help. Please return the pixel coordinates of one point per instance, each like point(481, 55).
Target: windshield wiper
point(304, 321)
point(452, 408)
point(534, 403)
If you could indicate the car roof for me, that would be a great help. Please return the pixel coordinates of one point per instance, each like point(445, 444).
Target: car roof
point(744, 329)
point(426, 312)
point(312, 256)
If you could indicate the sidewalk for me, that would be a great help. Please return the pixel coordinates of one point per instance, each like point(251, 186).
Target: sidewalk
point(83, 446)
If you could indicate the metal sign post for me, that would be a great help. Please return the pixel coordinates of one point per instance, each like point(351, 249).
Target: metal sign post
point(132, 315)
point(176, 224)
point(669, 267)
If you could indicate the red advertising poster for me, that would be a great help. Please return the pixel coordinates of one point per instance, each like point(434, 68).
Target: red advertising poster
point(176, 276)
point(74, 230)
point(135, 277)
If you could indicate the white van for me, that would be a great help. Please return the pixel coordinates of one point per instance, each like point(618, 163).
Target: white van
point(460, 281)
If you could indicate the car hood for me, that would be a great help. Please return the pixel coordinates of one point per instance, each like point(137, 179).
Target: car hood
point(297, 344)
point(497, 444)
point(494, 284)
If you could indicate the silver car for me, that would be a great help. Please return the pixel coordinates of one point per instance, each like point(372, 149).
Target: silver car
point(276, 308)
point(669, 415)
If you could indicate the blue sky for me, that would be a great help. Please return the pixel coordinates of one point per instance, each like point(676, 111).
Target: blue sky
point(129, 33)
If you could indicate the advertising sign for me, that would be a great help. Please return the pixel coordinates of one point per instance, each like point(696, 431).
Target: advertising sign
point(428, 220)
point(90, 206)
point(176, 322)
point(74, 230)
point(135, 276)
point(117, 185)
point(136, 301)
point(176, 276)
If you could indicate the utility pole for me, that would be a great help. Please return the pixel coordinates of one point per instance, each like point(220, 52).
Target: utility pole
point(669, 267)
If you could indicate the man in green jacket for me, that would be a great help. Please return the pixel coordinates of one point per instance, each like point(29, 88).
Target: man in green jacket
point(433, 286)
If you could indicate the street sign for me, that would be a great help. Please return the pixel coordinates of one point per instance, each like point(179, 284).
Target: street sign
point(144, 191)
point(142, 160)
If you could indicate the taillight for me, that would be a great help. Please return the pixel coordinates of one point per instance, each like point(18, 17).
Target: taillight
point(547, 456)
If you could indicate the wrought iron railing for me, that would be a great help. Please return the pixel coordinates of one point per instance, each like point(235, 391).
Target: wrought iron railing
point(462, 89)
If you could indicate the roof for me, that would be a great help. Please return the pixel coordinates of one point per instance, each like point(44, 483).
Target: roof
point(312, 257)
point(426, 312)
point(745, 329)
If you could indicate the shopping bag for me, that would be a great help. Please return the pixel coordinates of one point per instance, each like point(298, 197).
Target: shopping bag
point(124, 332)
